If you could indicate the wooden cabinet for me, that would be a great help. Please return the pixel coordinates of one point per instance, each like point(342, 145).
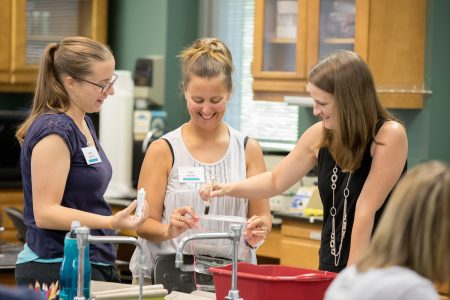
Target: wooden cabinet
point(291, 37)
point(300, 244)
point(29, 25)
point(271, 246)
point(296, 244)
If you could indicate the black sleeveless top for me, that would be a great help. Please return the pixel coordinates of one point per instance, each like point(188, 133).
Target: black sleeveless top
point(326, 164)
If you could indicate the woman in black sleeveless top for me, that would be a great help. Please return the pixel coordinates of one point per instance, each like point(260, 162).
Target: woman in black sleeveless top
point(361, 152)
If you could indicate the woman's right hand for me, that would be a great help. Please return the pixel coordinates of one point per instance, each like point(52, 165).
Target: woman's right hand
point(126, 219)
point(182, 219)
point(211, 190)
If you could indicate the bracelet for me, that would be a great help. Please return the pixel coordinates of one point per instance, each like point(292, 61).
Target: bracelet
point(250, 246)
point(256, 246)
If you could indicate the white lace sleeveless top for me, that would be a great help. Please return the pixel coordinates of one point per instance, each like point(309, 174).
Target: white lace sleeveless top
point(231, 168)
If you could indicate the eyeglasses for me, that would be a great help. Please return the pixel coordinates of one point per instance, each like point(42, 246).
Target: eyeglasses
point(105, 87)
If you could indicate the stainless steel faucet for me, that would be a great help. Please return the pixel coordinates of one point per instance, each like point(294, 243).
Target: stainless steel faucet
point(234, 235)
point(83, 238)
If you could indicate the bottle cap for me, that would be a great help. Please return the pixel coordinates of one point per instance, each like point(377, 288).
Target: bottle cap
point(75, 224)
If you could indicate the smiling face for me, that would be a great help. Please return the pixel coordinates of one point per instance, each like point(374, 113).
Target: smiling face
point(86, 93)
point(324, 106)
point(207, 100)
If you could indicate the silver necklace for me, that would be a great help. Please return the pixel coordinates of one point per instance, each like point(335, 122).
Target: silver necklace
point(337, 256)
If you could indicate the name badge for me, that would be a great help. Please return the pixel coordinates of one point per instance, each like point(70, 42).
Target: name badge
point(91, 155)
point(191, 174)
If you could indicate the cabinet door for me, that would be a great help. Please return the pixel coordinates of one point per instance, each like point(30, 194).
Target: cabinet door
point(280, 37)
point(5, 39)
point(291, 37)
point(279, 61)
point(337, 25)
point(300, 244)
point(300, 253)
point(36, 23)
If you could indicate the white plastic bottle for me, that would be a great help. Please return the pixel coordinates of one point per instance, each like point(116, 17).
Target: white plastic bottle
point(140, 202)
point(116, 119)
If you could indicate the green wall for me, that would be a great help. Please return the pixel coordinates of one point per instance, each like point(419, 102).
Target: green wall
point(136, 28)
point(438, 105)
point(158, 27)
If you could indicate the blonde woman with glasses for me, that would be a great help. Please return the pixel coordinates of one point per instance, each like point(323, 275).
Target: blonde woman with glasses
point(410, 248)
point(65, 171)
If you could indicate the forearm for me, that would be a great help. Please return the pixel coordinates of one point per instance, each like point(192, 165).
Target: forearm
point(60, 218)
point(257, 187)
point(154, 231)
point(361, 233)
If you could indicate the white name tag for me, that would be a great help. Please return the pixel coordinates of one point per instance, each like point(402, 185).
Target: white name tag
point(91, 155)
point(191, 174)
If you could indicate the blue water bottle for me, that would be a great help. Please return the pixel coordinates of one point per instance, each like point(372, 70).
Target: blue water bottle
point(68, 276)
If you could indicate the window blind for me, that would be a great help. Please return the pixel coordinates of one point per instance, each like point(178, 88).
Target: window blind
point(232, 21)
point(51, 21)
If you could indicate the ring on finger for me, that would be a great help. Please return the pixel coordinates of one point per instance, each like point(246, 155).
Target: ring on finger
point(179, 218)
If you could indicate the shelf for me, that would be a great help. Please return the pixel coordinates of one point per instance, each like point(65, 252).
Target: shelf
point(276, 147)
point(338, 41)
point(45, 38)
point(300, 101)
point(283, 41)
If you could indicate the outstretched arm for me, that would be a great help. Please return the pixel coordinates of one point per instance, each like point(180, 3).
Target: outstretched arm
point(291, 169)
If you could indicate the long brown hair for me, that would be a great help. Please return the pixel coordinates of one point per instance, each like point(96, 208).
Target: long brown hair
point(206, 58)
point(415, 227)
point(73, 56)
point(348, 78)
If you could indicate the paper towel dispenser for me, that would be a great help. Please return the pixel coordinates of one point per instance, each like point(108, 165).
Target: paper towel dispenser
point(149, 78)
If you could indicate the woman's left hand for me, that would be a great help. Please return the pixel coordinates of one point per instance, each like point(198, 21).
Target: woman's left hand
point(256, 231)
point(126, 218)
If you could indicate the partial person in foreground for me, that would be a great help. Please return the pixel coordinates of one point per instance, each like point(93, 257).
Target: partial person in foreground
point(65, 171)
point(360, 149)
point(410, 248)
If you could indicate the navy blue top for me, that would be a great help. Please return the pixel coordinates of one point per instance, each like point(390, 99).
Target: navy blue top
point(84, 190)
point(326, 164)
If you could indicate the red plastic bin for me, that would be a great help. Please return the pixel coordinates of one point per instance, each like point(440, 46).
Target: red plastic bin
point(269, 282)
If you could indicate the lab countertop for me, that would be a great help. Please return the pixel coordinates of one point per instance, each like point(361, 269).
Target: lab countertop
point(297, 217)
point(112, 290)
point(119, 291)
point(8, 255)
